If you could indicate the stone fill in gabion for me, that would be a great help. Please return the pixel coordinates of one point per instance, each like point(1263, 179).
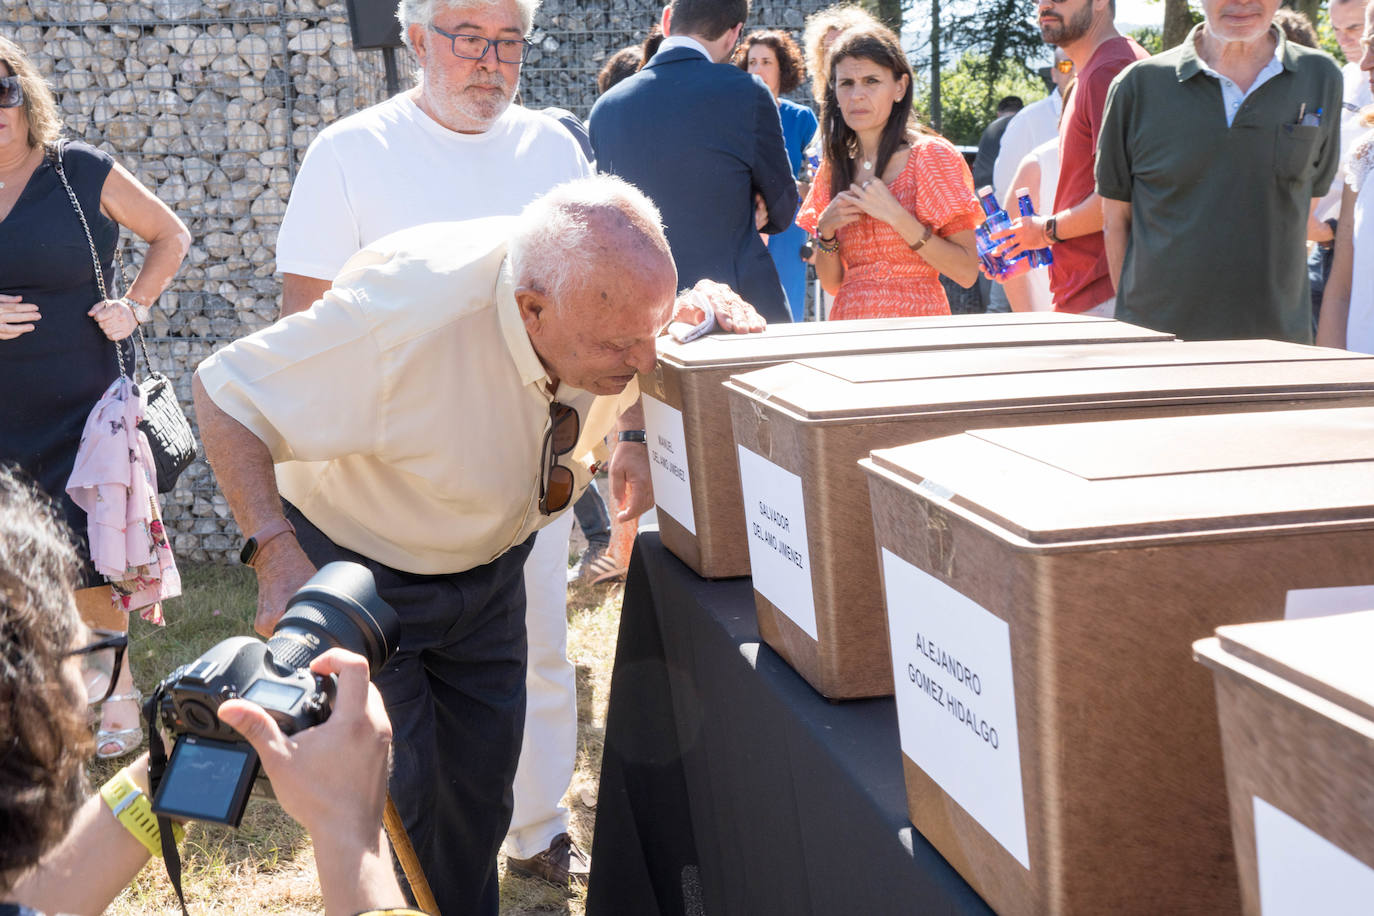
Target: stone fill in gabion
point(212, 103)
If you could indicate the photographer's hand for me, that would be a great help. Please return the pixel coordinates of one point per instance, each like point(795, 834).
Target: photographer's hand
point(332, 779)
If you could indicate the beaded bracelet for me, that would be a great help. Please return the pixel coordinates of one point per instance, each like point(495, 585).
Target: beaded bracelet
point(829, 247)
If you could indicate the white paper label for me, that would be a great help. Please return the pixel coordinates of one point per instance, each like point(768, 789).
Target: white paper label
point(1301, 872)
point(1323, 602)
point(668, 462)
point(956, 702)
point(775, 518)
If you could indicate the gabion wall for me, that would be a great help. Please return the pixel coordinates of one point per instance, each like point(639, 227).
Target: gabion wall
point(573, 40)
point(212, 104)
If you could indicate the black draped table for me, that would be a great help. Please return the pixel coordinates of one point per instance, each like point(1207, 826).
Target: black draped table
point(729, 786)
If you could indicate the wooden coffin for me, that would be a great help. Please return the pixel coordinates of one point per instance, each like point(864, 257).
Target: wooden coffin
point(1044, 586)
point(802, 427)
point(1296, 704)
point(696, 481)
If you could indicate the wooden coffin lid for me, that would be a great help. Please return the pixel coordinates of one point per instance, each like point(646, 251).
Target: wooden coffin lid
point(1332, 657)
point(783, 342)
point(1166, 477)
point(851, 388)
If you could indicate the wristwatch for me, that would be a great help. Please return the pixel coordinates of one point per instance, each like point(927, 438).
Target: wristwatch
point(132, 809)
point(1051, 225)
point(141, 311)
point(254, 545)
point(632, 435)
point(917, 246)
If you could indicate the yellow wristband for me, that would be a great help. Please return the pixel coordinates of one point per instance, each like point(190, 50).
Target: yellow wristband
point(132, 808)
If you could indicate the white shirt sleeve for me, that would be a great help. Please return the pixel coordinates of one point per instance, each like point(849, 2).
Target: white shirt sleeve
point(309, 386)
point(320, 230)
point(1017, 141)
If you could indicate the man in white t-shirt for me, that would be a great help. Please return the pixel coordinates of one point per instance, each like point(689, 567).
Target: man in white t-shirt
point(1347, 22)
point(1028, 129)
point(455, 148)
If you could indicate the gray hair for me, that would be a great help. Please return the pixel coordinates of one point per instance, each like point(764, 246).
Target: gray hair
point(553, 242)
point(421, 12)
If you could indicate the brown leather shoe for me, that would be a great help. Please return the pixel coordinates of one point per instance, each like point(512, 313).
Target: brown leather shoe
point(563, 863)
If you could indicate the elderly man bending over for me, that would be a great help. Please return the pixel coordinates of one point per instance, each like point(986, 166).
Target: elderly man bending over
point(445, 399)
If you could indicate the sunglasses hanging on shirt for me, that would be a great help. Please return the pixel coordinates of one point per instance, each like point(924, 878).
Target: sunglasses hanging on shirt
point(556, 480)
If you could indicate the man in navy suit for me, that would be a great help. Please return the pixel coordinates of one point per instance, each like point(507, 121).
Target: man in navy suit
point(703, 140)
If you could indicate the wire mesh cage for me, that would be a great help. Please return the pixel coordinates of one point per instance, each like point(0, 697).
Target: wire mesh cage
point(211, 104)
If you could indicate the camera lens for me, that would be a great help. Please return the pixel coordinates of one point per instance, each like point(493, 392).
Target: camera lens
point(339, 606)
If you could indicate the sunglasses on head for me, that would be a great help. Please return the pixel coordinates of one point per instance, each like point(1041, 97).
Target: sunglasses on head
point(556, 480)
point(1064, 66)
point(11, 92)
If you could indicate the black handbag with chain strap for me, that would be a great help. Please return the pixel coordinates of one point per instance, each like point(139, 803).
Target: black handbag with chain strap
point(164, 423)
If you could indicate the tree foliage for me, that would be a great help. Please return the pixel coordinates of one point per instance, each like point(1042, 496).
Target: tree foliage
point(1000, 34)
point(968, 96)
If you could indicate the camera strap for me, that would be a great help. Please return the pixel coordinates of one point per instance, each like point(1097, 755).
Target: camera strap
point(157, 765)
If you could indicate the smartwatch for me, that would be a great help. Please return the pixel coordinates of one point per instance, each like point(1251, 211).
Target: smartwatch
point(631, 435)
point(1051, 229)
point(132, 809)
point(254, 545)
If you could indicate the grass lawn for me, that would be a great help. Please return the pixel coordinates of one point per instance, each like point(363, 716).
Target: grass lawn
point(267, 865)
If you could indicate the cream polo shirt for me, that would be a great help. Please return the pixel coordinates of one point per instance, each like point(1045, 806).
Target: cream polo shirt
point(406, 410)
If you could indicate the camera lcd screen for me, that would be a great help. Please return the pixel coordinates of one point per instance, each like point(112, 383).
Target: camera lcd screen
point(207, 780)
point(273, 695)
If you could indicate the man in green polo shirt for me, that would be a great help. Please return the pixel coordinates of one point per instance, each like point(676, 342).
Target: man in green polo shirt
point(1208, 162)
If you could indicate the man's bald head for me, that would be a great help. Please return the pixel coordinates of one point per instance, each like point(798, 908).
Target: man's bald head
point(594, 281)
point(583, 227)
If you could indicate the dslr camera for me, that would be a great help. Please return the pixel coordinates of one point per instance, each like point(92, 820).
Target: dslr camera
point(211, 771)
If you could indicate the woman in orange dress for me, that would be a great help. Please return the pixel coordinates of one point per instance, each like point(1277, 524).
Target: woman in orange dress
point(892, 204)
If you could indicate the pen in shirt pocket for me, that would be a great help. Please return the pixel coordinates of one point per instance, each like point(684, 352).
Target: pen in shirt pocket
point(1313, 120)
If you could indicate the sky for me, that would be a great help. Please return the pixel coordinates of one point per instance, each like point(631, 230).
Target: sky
point(1140, 12)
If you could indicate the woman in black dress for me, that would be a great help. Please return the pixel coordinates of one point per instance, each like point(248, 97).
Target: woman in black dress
point(56, 354)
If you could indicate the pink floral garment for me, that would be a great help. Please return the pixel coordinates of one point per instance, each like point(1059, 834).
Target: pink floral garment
point(114, 481)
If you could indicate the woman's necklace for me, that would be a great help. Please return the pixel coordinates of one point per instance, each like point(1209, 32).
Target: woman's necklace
point(23, 162)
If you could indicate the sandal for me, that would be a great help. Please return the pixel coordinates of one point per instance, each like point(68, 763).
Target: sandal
point(123, 740)
point(604, 568)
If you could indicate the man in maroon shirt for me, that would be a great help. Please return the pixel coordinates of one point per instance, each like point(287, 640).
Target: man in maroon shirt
point(1079, 279)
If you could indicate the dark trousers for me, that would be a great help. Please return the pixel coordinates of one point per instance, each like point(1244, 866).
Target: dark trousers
point(592, 517)
point(455, 692)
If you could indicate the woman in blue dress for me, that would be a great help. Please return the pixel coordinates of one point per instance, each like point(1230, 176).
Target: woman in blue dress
point(773, 57)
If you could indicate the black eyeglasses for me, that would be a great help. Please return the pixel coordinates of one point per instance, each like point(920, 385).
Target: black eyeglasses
point(556, 480)
point(474, 47)
point(11, 92)
point(100, 663)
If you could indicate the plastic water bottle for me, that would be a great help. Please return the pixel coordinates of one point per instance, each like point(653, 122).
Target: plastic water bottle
point(1040, 257)
point(998, 221)
point(982, 235)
